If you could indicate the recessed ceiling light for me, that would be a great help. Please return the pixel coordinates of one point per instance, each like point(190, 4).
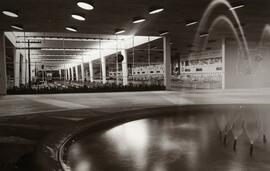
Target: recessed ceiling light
point(236, 7)
point(162, 33)
point(78, 17)
point(73, 29)
point(155, 10)
point(138, 20)
point(10, 14)
point(85, 5)
point(204, 34)
point(119, 31)
point(17, 27)
point(191, 22)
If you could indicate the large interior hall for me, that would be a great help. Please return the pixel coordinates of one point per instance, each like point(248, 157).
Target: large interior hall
point(134, 85)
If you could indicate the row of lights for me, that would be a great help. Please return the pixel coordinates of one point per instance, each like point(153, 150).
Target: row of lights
point(88, 6)
point(136, 20)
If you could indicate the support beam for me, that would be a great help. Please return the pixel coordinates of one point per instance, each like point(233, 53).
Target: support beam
point(72, 73)
point(91, 71)
point(68, 74)
point(103, 68)
point(223, 62)
point(82, 72)
point(60, 75)
point(3, 72)
point(167, 62)
point(125, 67)
point(76, 72)
point(17, 74)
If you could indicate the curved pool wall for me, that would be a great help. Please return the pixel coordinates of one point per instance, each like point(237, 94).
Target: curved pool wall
point(222, 115)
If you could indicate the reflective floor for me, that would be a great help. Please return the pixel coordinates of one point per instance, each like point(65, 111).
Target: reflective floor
point(195, 140)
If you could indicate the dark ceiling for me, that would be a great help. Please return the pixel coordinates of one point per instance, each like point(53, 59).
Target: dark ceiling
point(54, 15)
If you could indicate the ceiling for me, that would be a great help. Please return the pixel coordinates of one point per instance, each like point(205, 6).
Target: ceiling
point(54, 16)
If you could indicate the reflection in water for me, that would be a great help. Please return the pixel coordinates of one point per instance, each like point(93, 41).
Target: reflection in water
point(188, 142)
point(131, 141)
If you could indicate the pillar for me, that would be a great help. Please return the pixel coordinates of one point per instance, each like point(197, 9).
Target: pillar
point(72, 74)
point(76, 72)
point(17, 68)
point(124, 68)
point(223, 63)
point(3, 72)
point(82, 72)
point(91, 71)
point(60, 75)
point(103, 69)
point(167, 62)
point(66, 74)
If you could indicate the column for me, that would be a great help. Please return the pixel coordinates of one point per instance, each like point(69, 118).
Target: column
point(26, 72)
point(3, 72)
point(60, 76)
point(68, 74)
point(17, 68)
point(223, 63)
point(91, 71)
point(103, 69)
point(167, 62)
point(23, 71)
point(82, 72)
point(76, 72)
point(72, 74)
point(124, 68)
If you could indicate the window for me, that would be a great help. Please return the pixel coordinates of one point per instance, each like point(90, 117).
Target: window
point(198, 69)
point(187, 70)
point(151, 72)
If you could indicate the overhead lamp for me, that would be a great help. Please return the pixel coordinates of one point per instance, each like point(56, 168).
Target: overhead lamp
point(204, 34)
point(237, 5)
point(18, 27)
point(78, 17)
point(73, 29)
point(85, 5)
point(191, 22)
point(138, 20)
point(155, 10)
point(120, 31)
point(10, 14)
point(162, 33)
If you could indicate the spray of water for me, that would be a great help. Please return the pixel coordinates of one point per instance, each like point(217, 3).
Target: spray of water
point(225, 19)
point(206, 16)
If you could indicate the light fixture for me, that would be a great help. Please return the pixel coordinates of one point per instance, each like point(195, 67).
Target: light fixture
point(85, 5)
point(138, 20)
point(78, 17)
point(18, 27)
point(10, 14)
point(119, 31)
point(162, 33)
point(73, 29)
point(191, 22)
point(155, 10)
point(236, 7)
point(204, 34)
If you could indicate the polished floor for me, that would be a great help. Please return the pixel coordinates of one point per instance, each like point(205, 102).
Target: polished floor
point(187, 140)
point(113, 102)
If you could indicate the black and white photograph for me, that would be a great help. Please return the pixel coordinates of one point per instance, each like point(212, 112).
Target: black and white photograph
point(135, 85)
